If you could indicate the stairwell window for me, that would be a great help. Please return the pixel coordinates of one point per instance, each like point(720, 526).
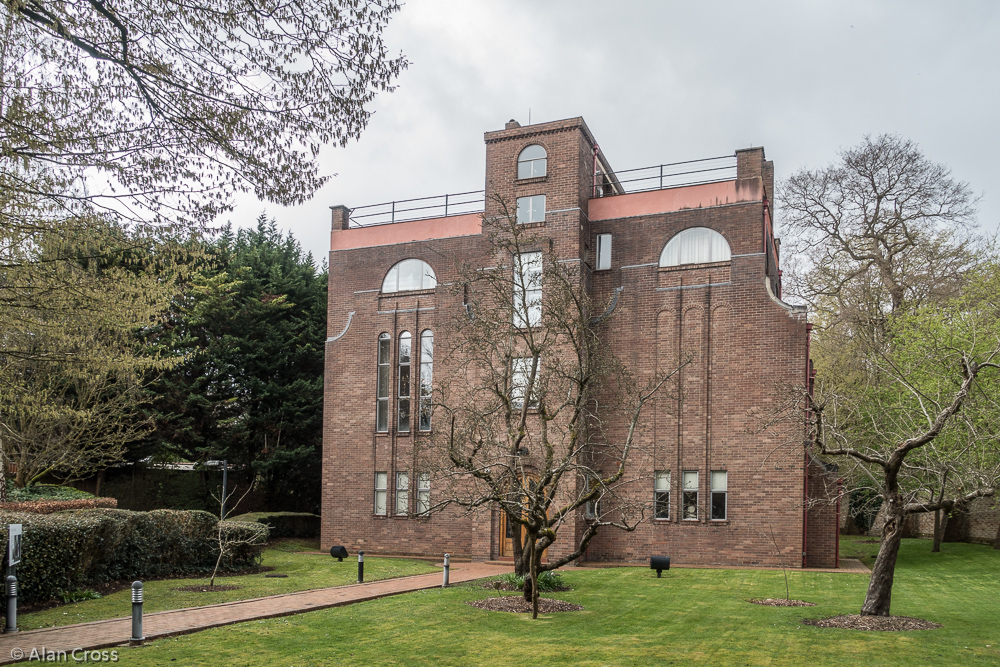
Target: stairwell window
point(403, 398)
point(603, 252)
point(381, 489)
point(382, 385)
point(426, 378)
point(689, 497)
point(720, 493)
point(528, 289)
point(661, 494)
point(531, 209)
point(402, 493)
point(532, 162)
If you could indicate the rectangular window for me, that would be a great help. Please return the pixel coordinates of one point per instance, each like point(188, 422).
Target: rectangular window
point(661, 494)
point(592, 510)
point(603, 251)
point(382, 388)
point(720, 488)
point(531, 209)
point(402, 493)
point(426, 378)
point(689, 499)
point(528, 289)
point(403, 384)
point(381, 488)
point(520, 376)
point(423, 492)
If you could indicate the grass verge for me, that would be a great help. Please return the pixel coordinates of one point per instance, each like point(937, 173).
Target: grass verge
point(689, 617)
point(305, 571)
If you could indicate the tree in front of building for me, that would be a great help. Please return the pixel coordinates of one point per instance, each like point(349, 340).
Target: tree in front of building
point(535, 416)
point(906, 338)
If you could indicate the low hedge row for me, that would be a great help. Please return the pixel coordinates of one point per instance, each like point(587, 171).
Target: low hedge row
point(285, 524)
point(73, 550)
point(50, 506)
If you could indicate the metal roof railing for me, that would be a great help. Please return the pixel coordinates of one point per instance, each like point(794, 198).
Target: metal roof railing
point(422, 208)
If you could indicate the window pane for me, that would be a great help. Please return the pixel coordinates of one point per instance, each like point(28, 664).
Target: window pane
point(603, 251)
point(404, 347)
point(410, 271)
point(383, 381)
point(718, 505)
point(690, 480)
point(719, 480)
point(402, 493)
point(662, 501)
point(662, 482)
point(531, 209)
point(520, 377)
point(423, 492)
point(383, 348)
point(690, 502)
point(381, 479)
point(694, 246)
point(382, 415)
point(426, 378)
point(391, 284)
point(404, 415)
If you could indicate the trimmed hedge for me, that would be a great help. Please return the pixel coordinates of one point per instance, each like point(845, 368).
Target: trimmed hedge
point(285, 524)
point(45, 492)
point(80, 549)
point(50, 506)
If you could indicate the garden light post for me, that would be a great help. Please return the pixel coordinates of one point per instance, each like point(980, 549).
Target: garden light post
point(361, 567)
point(11, 604)
point(137, 637)
point(447, 566)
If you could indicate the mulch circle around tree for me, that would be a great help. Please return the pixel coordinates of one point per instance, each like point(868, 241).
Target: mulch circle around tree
point(518, 605)
point(877, 623)
point(205, 588)
point(781, 602)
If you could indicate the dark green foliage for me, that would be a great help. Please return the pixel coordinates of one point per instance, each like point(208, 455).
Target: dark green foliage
point(73, 550)
point(45, 492)
point(547, 582)
point(285, 524)
point(142, 489)
point(252, 327)
point(79, 596)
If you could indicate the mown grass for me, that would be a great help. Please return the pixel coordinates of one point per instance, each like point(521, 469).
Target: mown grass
point(305, 571)
point(689, 617)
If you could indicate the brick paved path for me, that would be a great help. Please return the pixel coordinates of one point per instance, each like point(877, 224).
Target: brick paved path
point(113, 632)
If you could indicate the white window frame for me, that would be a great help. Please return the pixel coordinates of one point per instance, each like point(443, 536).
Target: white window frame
point(528, 289)
point(428, 280)
point(603, 248)
point(423, 492)
point(695, 245)
point(720, 490)
point(381, 493)
point(382, 382)
point(530, 209)
point(402, 493)
point(520, 375)
point(533, 167)
point(426, 405)
point(661, 494)
point(404, 381)
point(689, 494)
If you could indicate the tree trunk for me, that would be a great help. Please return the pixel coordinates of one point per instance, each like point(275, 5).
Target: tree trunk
point(940, 526)
point(97, 486)
point(996, 542)
point(535, 558)
point(521, 564)
point(879, 593)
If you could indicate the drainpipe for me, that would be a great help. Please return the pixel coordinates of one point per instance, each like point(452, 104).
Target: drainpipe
point(805, 483)
point(593, 192)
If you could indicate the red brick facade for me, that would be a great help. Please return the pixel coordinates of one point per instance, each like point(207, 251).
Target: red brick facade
point(743, 342)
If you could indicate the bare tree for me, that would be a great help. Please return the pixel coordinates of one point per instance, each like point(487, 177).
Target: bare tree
point(231, 535)
point(540, 419)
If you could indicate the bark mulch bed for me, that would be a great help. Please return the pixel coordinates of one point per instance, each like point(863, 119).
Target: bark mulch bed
point(205, 588)
point(877, 623)
point(518, 605)
point(780, 602)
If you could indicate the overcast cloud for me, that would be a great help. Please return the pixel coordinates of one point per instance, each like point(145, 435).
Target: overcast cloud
point(661, 82)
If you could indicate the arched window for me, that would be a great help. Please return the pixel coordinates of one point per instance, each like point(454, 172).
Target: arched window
point(426, 378)
point(410, 274)
point(403, 399)
point(531, 162)
point(382, 385)
point(697, 245)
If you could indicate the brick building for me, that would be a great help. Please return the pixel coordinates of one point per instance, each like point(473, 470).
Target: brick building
point(689, 250)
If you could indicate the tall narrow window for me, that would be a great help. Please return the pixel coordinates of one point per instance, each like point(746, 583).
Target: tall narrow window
point(520, 376)
point(689, 499)
point(381, 488)
point(720, 488)
point(528, 289)
point(403, 398)
point(382, 388)
point(532, 162)
point(661, 494)
point(423, 492)
point(531, 209)
point(426, 378)
point(402, 493)
point(603, 251)
point(592, 510)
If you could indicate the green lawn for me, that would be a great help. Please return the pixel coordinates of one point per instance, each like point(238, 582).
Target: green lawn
point(305, 571)
point(689, 617)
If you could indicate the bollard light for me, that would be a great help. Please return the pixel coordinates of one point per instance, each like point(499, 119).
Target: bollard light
point(447, 565)
point(136, 637)
point(361, 567)
point(11, 604)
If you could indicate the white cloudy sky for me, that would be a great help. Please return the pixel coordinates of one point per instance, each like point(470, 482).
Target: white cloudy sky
point(662, 81)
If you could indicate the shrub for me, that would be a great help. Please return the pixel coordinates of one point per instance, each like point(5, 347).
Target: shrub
point(74, 550)
point(50, 506)
point(285, 524)
point(45, 492)
point(547, 582)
